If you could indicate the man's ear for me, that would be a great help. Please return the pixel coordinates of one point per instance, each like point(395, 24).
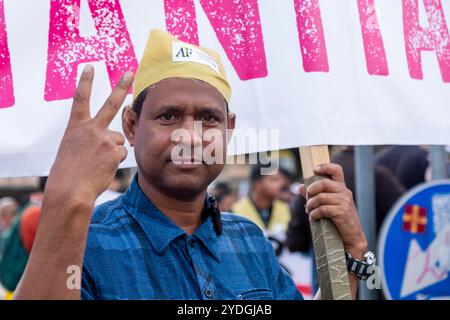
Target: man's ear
point(231, 122)
point(129, 123)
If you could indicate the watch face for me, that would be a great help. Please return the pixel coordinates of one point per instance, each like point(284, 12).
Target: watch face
point(370, 258)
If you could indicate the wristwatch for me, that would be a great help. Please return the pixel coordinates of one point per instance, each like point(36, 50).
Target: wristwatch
point(360, 267)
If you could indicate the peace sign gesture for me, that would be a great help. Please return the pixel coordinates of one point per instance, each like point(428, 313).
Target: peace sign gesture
point(89, 153)
point(87, 160)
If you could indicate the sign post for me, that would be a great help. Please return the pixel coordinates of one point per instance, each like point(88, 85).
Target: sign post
point(328, 247)
point(365, 201)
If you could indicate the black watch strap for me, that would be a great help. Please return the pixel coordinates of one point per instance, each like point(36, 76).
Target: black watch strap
point(358, 267)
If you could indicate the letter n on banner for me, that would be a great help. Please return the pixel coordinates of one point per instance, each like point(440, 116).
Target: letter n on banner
point(6, 79)
point(237, 25)
point(67, 49)
point(433, 38)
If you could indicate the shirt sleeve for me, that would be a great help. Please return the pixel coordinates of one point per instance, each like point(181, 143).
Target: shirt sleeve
point(88, 291)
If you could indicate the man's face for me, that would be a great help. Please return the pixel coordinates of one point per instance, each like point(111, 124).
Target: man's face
point(271, 185)
point(6, 216)
point(285, 192)
point(166, 129)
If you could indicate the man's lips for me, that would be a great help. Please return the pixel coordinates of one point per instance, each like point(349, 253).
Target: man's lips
point(187, 163)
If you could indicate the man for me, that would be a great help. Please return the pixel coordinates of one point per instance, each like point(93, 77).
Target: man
point(8, 210)
point(164, 238)
point(262, 205)
point(286, 193)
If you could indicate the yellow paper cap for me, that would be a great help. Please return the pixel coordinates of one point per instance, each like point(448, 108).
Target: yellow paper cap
point(166, 57)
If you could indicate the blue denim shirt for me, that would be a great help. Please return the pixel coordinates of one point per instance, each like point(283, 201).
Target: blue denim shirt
point(134, 251)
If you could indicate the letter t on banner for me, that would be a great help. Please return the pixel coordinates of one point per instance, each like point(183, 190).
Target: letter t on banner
point(328, 247)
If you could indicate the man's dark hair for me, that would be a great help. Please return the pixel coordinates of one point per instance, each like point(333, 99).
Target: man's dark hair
point(256, 172)
point(42, 183)
point(221, 190)
point(222, 187)
point(139, 101)
point(287, 174)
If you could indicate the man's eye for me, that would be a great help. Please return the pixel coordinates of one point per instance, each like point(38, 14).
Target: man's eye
point(168, 116)
point(208, 118)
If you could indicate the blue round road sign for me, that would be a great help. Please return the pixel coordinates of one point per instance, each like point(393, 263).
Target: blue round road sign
point(414, 244)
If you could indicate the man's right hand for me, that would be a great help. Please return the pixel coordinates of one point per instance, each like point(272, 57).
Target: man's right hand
point(89, 153)
point(87, 160)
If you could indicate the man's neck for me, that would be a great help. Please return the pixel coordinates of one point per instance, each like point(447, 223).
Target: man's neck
point(261, 202)
point(187, 214)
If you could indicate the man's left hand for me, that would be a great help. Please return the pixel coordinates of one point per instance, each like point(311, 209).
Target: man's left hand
point(331, 199)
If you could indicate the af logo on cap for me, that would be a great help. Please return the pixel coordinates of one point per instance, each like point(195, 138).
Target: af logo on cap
point(181, 52)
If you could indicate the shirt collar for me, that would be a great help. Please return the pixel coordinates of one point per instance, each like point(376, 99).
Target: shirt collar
point(158, 228)
point(206, 234)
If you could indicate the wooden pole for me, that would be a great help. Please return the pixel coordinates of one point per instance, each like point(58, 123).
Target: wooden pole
point(328, 249)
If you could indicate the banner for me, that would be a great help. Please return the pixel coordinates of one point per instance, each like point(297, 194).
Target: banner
point(303, 72)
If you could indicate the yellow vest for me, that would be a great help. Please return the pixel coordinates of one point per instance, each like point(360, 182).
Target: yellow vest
point(279, 220)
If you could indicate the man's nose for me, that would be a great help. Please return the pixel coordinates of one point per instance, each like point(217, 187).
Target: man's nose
point(194, 128)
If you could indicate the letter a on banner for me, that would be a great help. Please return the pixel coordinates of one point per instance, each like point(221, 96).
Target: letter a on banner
point(433, 38)
point(67, 49)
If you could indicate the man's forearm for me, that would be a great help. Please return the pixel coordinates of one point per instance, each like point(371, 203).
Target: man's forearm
point(60, 243)
point(87, 159)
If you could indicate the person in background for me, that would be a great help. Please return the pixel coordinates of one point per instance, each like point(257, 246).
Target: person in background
point(286, 193)
point(19, 240)
point(262, 205)
point(8, 210)
point(224, 196)
point(408, 163)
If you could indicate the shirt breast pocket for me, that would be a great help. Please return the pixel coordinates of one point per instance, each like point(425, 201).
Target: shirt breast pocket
point(256, 294)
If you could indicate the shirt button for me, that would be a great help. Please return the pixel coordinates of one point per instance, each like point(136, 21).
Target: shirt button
point(208, 293)
point(191, 243)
